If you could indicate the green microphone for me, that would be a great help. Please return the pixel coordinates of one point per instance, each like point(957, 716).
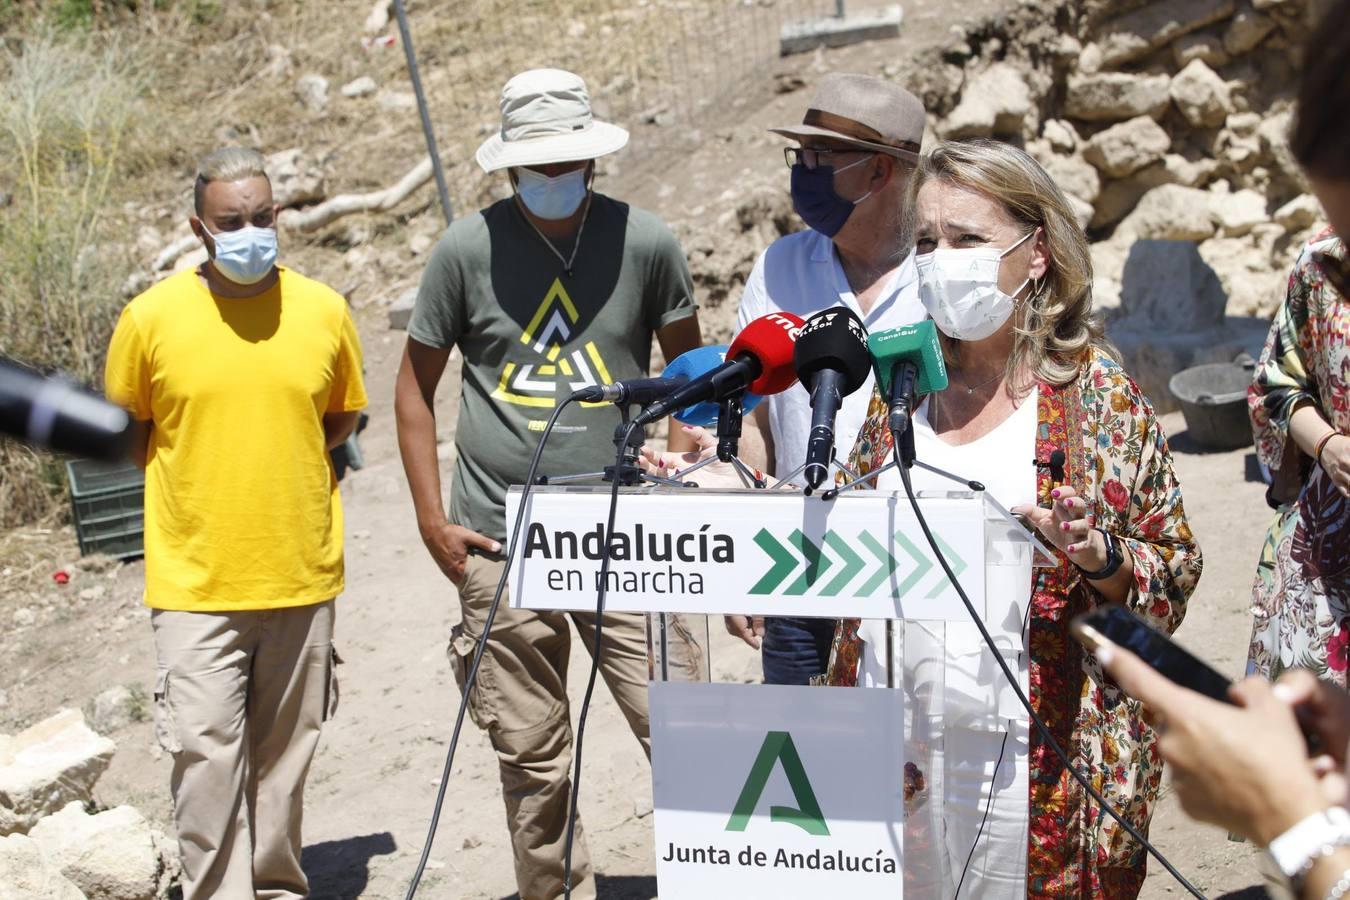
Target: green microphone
point(908, 362)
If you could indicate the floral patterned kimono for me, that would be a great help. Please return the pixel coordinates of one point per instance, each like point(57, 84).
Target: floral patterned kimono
point(1301, 598)
point(1117, 458)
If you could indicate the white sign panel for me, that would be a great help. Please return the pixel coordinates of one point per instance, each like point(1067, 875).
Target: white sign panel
point(776, 791)
point(752, 552)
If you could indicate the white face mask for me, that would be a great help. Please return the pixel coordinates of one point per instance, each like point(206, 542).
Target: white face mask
point(551, 198)
point(244, 255)
point(959, 288)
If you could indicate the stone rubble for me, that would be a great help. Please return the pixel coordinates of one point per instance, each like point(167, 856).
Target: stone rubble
point(47, 766)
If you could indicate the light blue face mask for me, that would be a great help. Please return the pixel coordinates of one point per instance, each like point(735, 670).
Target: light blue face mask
point(551, 198)
point(245, 255)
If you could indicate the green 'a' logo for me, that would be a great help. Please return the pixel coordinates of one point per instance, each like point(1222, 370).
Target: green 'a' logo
point(807, 816)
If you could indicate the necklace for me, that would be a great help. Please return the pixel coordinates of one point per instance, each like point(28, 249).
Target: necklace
point(567, 262)
point(974, 387)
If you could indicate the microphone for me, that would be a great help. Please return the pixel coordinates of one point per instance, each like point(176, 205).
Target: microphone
point(832, 361)
point(1055, 464)
point(693, 363)
point(760, 359)
point(908, 363)
point(629, 391)
point(54, 413)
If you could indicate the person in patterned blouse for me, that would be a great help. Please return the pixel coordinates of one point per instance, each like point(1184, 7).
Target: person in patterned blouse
point(1005, 273)
point(1300, 405)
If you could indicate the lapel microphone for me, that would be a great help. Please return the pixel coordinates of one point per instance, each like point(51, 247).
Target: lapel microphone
point(1055, 464)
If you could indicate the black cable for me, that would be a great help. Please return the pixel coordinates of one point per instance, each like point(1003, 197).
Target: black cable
point(988, 803)
point(472, 675)
point(595, 656)
point(1026, 703)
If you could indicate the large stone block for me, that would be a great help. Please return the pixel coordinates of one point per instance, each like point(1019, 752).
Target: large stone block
point(1302, 212)
point(1237, 213)
point(995, 101)
point(1114, 96)
point(1170, 212)
point(114, 855)
point(26, 875)
point(1135, 34)
point(1201, 95)
point(47, 766)
point(1172, 317)
point(1117, 198)
point(1073, 174)
point(1127, 147)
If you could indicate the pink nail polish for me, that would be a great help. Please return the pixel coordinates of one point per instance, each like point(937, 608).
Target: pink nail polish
point(1055, 493)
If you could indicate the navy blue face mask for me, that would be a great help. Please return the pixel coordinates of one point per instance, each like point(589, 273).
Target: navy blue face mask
point(814, 199)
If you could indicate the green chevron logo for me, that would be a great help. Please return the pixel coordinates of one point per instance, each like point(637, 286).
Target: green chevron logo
point(858, 566)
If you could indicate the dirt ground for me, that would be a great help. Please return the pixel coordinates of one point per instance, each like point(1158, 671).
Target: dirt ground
point(377, 770)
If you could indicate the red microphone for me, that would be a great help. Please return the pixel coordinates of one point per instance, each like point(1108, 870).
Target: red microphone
point(760, 359)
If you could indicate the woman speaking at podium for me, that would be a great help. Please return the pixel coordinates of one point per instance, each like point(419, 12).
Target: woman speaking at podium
point(991, 811)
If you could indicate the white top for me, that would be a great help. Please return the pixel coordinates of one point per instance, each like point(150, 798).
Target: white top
point(800, 274)
point(967, 731)
point(1004, 462)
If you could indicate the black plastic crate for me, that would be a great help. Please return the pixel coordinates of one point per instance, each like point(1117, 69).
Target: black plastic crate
point(109, 506)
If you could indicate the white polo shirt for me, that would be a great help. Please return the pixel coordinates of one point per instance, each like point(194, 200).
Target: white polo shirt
point(800, 273)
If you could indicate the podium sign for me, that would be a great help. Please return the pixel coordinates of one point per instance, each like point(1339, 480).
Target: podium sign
point(774, 791)
point(753, 552)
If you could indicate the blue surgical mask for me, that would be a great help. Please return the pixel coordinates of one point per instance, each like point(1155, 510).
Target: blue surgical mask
point(814, 199)
point(245, 255)
point(551, 198)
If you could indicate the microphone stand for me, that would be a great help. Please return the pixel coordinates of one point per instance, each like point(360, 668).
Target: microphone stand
point(835, 461)
point(629, 473)
point(904, 456)
point(730, 414)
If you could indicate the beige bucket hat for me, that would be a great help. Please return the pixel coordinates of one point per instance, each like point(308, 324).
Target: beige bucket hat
point(866, 112)
point(546, 118)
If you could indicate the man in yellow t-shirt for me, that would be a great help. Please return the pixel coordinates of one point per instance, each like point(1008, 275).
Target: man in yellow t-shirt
point(241, 375)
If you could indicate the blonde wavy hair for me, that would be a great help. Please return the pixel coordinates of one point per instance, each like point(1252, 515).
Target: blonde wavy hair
point(1057, 329)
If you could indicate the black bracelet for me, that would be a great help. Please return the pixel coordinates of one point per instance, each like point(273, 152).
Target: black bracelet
point(1114, 558)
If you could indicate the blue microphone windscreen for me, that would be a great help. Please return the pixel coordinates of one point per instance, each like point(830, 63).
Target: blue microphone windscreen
point(919, 343)
point(694, 363)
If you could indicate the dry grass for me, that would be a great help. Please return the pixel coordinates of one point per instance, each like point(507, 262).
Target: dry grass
point(68, 104)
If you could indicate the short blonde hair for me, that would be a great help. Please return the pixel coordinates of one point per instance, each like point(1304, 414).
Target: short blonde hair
point(226, 164)
point(1058, 329)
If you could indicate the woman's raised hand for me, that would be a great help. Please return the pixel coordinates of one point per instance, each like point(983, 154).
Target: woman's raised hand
point(1067, 525)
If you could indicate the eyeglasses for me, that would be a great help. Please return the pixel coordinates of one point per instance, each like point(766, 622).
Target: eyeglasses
point(1336, 270)
point(810, 158)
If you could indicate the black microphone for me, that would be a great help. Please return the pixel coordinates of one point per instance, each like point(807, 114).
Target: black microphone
point(832, 362)
point(54, 413)
point(1055, 464)
point(640, 391)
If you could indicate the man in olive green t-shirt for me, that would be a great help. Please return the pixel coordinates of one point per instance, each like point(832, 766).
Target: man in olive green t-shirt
point(553, 289)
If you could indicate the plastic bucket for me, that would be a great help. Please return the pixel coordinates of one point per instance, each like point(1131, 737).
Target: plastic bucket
point(1214, 402)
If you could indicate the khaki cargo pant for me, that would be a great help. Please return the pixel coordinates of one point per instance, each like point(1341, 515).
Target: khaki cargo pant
point(239, 700)
point(520, 699)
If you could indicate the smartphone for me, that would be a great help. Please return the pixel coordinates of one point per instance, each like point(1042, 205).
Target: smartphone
point(1118, 625)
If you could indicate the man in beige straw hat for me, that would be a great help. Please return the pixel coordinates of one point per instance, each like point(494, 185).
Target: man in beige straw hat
point(550, 290)
point(857, 145)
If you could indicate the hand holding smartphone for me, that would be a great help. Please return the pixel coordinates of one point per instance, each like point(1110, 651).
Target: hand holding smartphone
point(1118, 625)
